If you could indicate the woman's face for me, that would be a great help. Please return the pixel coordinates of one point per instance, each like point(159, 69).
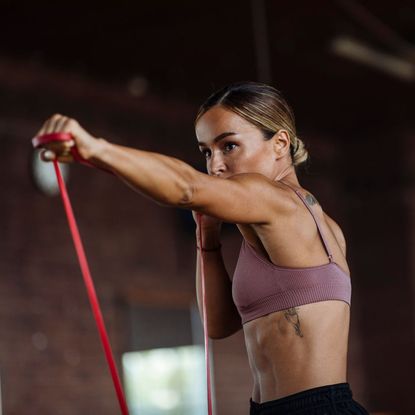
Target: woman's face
point(232, 145)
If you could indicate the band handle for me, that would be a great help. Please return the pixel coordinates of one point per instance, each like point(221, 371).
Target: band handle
point(42, 140)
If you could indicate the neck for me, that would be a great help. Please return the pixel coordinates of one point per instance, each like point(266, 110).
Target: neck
point(288, 175)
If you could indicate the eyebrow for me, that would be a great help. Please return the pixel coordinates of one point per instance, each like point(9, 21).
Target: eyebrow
point(219, 137)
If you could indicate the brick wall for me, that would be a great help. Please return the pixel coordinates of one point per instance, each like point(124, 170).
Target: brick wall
point(50, 356)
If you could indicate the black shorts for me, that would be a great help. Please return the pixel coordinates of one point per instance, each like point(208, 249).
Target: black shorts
point(323, 400)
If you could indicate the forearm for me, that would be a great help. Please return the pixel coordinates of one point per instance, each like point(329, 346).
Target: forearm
point(164, 179)
point(222, 316)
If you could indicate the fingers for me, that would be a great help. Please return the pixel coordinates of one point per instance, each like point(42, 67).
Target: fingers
point(55, 123)
point(48, 155)
point(84, 142)
point(196, 215)
point(58, 123)
point(61, 151)
point(66, 158)
point(46, 127)
point(49, 125)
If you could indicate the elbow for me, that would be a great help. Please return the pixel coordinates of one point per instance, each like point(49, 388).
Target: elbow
point(190, 183)
point(221, 335)
point(187, 196)
point(217, 334)
point(183, 196)
point(180, 196)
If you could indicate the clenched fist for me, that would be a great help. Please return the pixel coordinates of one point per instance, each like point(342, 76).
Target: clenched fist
point(86, 145)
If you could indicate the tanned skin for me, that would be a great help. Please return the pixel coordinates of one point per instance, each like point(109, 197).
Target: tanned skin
point(289, 350)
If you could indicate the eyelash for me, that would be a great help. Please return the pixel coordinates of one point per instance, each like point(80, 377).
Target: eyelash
point(204, 152)
point(230, 144)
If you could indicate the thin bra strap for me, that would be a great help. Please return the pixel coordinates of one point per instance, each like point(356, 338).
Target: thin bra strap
point(330, 255)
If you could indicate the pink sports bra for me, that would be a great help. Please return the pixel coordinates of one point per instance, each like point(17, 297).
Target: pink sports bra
point(260, 287)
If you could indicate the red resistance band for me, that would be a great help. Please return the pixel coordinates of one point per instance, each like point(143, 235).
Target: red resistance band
point(205, 329)
point(93, 299)
point(44, 139)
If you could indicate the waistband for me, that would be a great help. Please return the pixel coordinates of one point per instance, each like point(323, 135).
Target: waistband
point(338, 392)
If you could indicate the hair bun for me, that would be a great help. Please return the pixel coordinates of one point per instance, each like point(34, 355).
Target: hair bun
point(300, 153)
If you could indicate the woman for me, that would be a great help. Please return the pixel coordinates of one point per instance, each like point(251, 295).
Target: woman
point(291, 288)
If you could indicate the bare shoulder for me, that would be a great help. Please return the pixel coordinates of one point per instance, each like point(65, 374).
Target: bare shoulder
point(337, 231)
point(247, 198)
point(271, 188)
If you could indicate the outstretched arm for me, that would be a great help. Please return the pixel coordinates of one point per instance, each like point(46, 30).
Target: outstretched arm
point(172, 182)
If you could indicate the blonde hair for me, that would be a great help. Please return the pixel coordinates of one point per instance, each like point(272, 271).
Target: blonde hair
point(263, 106)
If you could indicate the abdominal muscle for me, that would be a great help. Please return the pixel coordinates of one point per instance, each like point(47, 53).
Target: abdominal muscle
point(293, 350)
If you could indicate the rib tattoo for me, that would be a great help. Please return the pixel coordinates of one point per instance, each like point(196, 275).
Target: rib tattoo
point(292, 316)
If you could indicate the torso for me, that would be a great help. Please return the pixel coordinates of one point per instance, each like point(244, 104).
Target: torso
point(306, 346)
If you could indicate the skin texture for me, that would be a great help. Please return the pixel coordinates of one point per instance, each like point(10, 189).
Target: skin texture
point(244, 151)
point(289, 350)
point(301, 347)
point(293, 317)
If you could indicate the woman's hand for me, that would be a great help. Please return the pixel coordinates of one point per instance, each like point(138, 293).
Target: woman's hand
point(86, 144)
point(208, 223)
point(209, 230)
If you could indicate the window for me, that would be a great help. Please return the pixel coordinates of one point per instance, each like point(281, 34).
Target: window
point(165, 374)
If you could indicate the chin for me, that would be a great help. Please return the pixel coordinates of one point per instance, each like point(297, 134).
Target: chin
point(222, 176)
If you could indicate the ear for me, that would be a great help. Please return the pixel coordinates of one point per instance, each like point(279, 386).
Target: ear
point(281, 143)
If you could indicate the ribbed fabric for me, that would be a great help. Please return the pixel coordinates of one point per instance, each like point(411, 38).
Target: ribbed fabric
point(259, 287)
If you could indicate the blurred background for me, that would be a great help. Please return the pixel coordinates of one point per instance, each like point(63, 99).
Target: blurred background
point(135, 73)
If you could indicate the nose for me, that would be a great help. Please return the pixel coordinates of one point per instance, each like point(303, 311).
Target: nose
point(216, 165)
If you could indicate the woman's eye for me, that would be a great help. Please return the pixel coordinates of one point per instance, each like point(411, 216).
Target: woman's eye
point(206, 153)
point(229, 147)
